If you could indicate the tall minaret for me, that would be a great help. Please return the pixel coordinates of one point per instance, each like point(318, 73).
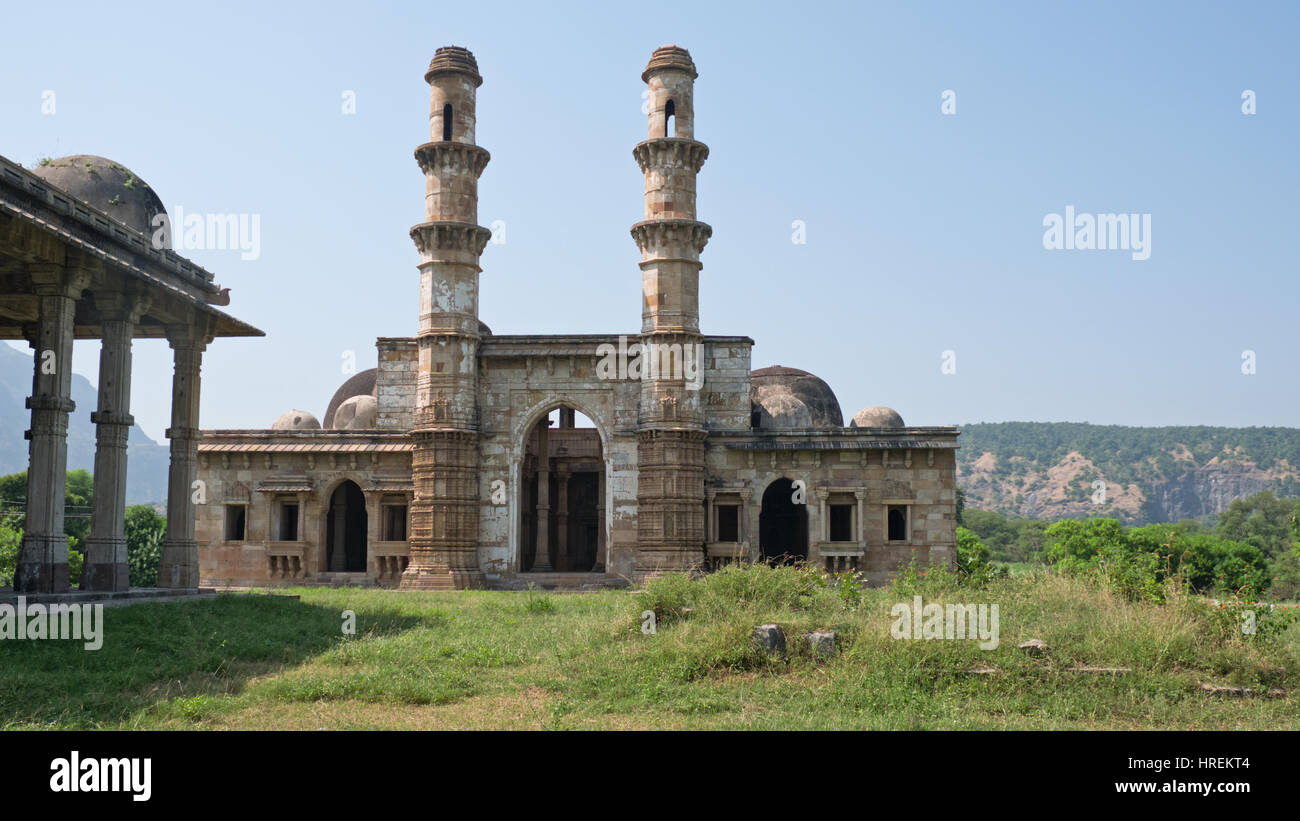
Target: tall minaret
point(670, 427)
point(444, 514)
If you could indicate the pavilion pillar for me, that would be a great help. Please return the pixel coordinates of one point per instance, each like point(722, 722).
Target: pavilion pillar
point(43, 557)
point(106, 558)
point(179, 566)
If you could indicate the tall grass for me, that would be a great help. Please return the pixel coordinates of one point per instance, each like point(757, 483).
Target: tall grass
point(540, 660)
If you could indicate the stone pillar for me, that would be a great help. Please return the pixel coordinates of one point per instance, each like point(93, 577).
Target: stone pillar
point(861, 496)
point(711, 518)
point(106, 559)
point(751, 512)
point(599, 566)
point(542, 556)
point(562, 516)
point(374, 530)
point(43, 556)
point(823, 522)
point(179, 566)
point(338, 559)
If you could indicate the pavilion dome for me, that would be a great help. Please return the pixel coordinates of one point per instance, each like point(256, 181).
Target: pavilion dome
point(296, 420)
point(356, 413)
point(106, 185)
point(359, 384)
point(788, 398)
point(877, 416)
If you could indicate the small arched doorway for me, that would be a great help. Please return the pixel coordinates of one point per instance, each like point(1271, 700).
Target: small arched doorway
point(562, 495)
point(782, 524)
point(345, 530)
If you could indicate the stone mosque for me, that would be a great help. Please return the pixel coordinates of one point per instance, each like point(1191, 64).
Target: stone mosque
point(468, 459)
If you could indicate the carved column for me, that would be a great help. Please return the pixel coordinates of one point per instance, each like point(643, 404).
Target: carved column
point(599, 566)
point(179, 566)
point(338, 558)
point(562, 516)
point(106, 560)
point(752, 511)
point(542, 556)
point(823, 526)
point(374, 531)
point(43, 556)
point(861, 496)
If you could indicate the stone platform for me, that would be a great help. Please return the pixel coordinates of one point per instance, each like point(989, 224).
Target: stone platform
point(110, 598)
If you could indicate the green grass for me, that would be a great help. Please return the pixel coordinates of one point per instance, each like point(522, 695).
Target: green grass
point(548, 661)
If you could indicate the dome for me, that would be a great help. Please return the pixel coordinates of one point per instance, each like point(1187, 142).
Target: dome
point(295, 420)
point(877, 416)
point(359, 384)
point(105, 185)
point(791, 398)
point(783, 410)
point(453, 59)
point(356, 413)
point(667, 58)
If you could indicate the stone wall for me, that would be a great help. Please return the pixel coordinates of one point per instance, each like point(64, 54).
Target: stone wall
point(261, 479)
point(399, 362)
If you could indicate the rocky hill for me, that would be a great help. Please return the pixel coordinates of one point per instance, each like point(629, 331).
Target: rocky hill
point(146, 472)
point(1050, 470)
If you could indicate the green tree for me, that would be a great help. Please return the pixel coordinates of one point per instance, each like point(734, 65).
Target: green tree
point(145, 530)
point(77, 503)
point(973, 558)
point(10, 540)
point(1262, 520)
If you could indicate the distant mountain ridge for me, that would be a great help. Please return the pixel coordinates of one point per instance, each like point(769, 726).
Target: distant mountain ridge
point(146, 470)
point(1047, 470)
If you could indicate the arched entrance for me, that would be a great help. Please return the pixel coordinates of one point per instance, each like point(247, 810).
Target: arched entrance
point(782, 524)
point(562, 495)
point(345, 530)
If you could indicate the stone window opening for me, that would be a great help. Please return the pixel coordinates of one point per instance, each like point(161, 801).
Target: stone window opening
point(841, 524)
point(394, 522)
point(728, 522)
point(236, 519)
point(897, 524)
point(670, 112)
point(446, 123)
point(288, 521)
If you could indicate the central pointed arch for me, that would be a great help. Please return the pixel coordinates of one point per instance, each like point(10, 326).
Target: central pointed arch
point(561, 516)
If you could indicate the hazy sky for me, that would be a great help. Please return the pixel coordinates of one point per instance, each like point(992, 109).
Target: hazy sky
point(925, 230)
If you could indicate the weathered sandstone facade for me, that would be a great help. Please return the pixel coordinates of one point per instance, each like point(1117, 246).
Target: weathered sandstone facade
point(458, 463)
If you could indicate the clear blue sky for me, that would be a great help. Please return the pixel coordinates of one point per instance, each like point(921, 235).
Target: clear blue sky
point(924, 231)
